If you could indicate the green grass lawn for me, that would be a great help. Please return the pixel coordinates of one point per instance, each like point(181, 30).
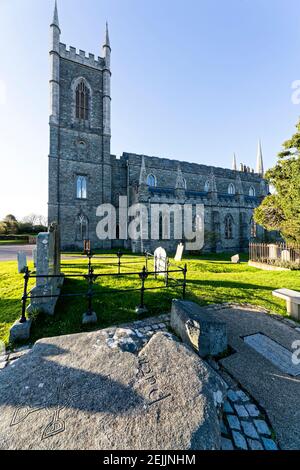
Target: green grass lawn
point(211, 279)
point(13, 242)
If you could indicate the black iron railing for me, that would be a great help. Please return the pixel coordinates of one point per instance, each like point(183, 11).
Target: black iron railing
point(91, 277)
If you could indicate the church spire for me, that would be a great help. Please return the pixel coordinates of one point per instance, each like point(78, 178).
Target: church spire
point(259, 160)
point(234, 164)
point(55, 66)
point(55, 21)
point(106, 41)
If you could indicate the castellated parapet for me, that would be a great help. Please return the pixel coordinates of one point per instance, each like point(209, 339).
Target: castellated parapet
point(81, 57)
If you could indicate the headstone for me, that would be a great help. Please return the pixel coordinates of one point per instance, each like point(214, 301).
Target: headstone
point(22, 262)
point(179, 252)
point(34, 256)
point(194, 326)
point(273, 252)
point(160, 259)
point(47, 263)
point(235, 259)
point(286, 256)
point(84, 392)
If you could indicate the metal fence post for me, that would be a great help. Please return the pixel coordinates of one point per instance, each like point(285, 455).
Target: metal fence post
point(90, 291)
point(119, 255)
point(167, 272)
point(184, 282)
point(25, 295)
point(141, 309)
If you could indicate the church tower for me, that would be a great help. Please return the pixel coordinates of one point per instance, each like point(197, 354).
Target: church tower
point(80, 136)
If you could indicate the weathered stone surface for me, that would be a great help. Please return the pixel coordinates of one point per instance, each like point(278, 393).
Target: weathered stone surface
point(235, 259)
point(239, 440)
point(233, 422)
point(262, 427)
point(249, 430)
point(197, 329)
point(258, 376)
point(20, 331)
point(252, 410)
point(269, 444)
point(22, 261)
point(226, 444)
point(77, 392)
point(255, 445)
point(274, 352)
point(241, 411)
point(48, 264)
point(34, 256)
point(88, 319)
point(160, 257)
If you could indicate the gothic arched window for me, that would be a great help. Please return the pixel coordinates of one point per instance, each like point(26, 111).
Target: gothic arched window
point(151, 181)
point(231, 189)
point(82, 101)
point(81, 187)
point(251, 191)
point(253, 228)
point(82, 228)
point(207, 186)
point(228, 227)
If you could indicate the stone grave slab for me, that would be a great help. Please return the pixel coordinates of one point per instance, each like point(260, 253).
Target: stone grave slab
point(85, 392)
point(274, 352)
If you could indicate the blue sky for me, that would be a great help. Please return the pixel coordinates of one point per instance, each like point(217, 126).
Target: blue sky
point(194, 80)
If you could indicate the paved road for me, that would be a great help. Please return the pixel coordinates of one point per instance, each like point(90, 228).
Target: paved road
point(9, 253)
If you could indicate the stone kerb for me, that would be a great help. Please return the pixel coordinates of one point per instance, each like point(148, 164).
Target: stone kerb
point(47, 263)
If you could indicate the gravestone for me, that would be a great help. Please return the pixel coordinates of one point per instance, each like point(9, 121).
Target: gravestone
point(34, 256)
point(22, 262)
point(235, 259)
point(83, 392)
point(285, 256)
point(273, 252)
point(161, 261)
point(179, 252)
point(48, 263)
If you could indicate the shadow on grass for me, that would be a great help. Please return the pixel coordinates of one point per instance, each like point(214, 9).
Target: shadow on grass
point(112, 308)
point(230, 284)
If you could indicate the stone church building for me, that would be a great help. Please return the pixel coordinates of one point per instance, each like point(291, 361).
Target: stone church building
point(83, 174)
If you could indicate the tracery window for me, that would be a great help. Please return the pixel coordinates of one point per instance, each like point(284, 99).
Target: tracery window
point(228, 227)
point(82, 101)
point(81, 187)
